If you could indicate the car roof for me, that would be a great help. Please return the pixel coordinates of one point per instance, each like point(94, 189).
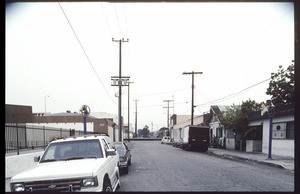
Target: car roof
point(85, 137)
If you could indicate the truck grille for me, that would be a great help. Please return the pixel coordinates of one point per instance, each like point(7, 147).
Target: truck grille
point(54, 185)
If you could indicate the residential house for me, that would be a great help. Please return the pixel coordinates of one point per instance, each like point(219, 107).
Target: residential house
point(282, 129)
point(217, 130)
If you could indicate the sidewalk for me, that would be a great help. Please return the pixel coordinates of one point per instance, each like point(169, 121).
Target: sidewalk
point(258, 157)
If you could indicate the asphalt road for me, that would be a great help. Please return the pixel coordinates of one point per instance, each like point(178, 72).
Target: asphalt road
point(160, 167)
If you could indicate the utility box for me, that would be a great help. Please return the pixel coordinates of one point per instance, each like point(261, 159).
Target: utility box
point(253, 145)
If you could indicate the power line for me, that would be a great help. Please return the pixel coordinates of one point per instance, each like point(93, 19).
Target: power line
point(234, 94)
point(253, 39)
point(85, 53)
point(118, 20)
point(127, 35)
point(109, 28)
point(158, 93)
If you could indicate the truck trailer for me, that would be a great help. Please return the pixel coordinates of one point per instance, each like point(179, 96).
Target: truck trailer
point(195, 137)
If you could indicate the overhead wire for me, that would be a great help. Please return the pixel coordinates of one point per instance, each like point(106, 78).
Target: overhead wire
point(251, 41)
point(85, 53)
point(127, 35)
point(158, 93)
point(118, 20)
point(235, 94)
point(107, 23)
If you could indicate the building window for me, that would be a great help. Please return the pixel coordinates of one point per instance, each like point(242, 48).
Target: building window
point(279, 131)
point(290, 130)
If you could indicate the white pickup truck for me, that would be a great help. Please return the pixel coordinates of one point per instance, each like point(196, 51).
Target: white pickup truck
point(73, 164)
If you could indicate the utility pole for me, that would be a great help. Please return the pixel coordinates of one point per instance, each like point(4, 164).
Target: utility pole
point(45, 102)
point(120, 41)
point(128, 110)
point(193, 73)
point(168, 107)
point(136, 117)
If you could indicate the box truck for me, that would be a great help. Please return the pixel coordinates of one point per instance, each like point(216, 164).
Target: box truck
point(195, 137)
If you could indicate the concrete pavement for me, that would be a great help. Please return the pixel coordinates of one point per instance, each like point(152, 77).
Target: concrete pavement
point(258, 157)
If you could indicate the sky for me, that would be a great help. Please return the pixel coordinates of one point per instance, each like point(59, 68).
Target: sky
point(62, 55)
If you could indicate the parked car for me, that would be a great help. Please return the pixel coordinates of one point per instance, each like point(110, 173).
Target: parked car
point(84, 164)
point(178, 143)
point(124, 155)
point(166, 140)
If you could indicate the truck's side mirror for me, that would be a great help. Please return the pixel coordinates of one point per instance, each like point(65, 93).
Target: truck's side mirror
point(37, 158)
point(111, 152)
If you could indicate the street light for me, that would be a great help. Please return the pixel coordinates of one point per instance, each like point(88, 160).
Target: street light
point(45, 101)
point(85, 111)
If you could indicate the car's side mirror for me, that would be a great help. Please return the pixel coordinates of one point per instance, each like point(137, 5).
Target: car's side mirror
point(111, 152)
point(37, 158)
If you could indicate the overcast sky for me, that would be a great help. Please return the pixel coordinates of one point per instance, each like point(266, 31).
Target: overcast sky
point(66, 51)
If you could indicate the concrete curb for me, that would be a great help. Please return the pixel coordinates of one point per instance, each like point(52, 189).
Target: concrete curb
point(237, 158)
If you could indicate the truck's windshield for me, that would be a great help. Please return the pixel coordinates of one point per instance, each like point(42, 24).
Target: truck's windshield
point(71, 150)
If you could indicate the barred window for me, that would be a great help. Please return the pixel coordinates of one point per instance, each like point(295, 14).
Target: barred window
point(290, 130)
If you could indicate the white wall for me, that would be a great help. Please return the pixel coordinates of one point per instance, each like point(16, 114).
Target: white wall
point(214, 126)
point(184, 120)
point(76, 126)
point(230, 144)
point(18, 163)
point(281, 147)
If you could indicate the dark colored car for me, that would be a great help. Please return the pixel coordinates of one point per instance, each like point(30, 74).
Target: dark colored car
point(124, 155)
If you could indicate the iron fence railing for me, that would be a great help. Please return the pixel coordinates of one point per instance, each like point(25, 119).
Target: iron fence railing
point(22, 137)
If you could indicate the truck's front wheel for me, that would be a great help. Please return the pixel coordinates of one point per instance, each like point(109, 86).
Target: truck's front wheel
point(107, 186)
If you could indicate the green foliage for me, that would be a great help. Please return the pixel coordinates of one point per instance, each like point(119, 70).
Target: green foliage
point(235, 117)
point(145, 131)
point(281, 86)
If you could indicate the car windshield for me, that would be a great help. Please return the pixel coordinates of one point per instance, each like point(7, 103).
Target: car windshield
point(72, 150)
point(119, 146)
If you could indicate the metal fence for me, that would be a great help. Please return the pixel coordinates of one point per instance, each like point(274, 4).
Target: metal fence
point(22, 137)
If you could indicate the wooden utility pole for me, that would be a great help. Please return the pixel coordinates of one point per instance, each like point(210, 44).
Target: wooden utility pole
point(128, 110)
point(136, 117)
point(168, 107)
point(192, 73)
point(120, 84)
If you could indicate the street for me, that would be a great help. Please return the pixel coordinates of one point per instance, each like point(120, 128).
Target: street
point(160, 167)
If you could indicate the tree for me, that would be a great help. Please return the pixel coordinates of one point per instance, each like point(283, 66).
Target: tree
point(235, 117)
point(281, 86)
point(145, 131)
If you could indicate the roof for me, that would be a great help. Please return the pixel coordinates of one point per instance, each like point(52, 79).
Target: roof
point(280, 110)
point(218, 108)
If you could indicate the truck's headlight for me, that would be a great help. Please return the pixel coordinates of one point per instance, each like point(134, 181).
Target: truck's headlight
point(89, 182)
point(18, 187)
